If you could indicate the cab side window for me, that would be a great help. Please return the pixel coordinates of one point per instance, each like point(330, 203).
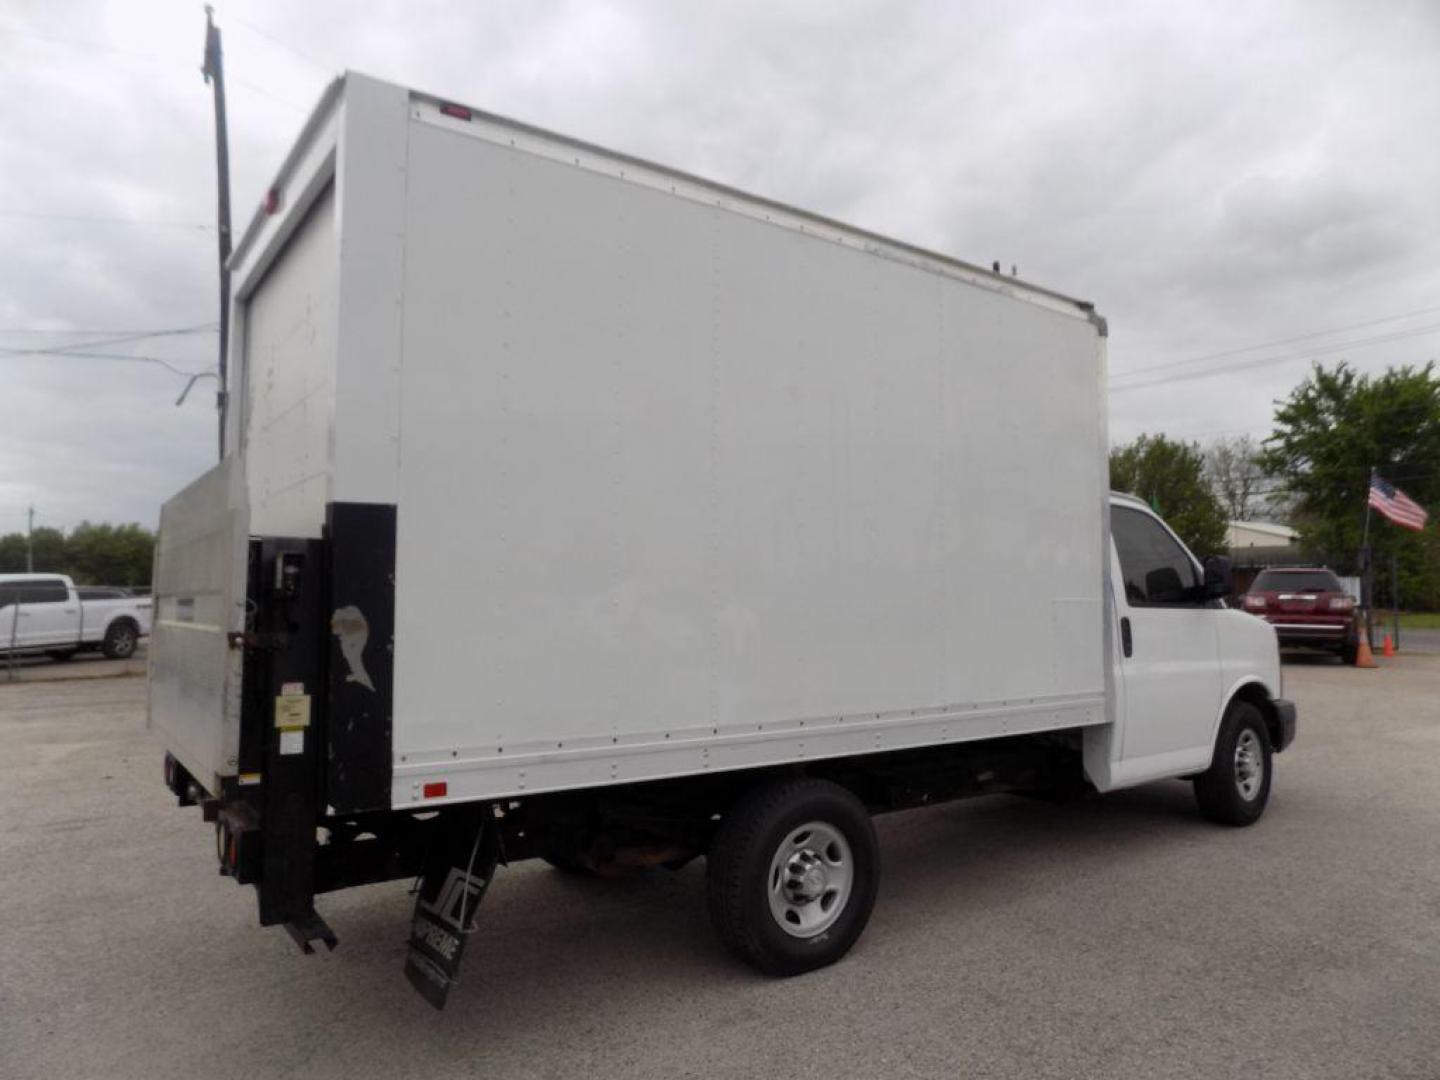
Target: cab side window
point(43, 591)
point(1157, 571)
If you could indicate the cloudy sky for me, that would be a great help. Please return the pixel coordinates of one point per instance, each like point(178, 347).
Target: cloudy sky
point(1238, 186)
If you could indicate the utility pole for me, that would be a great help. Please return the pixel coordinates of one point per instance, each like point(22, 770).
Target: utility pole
point(214, 72)
point(30, 542)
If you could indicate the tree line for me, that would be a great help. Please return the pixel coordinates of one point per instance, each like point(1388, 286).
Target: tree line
point(91, 554)
point(1312, 472)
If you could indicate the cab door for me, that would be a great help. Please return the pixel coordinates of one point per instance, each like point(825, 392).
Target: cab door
point(1169, 654)
point(49, 613)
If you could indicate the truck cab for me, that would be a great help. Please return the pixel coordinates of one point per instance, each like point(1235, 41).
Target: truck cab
point(1180, 658)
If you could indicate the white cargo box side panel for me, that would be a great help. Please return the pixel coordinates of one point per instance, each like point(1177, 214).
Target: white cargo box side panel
point(199, 592)
point(685, 489)
point(289, 372)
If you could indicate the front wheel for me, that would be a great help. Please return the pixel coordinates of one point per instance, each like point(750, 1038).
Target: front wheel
point(1236, 786)
point(792, 875)
point(120, 641)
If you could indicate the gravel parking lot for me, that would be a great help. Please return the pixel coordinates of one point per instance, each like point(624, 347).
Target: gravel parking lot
point(1122, 937)
point(85, 665)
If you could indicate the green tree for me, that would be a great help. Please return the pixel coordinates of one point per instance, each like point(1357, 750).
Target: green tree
point(1170, 476)
point(12, 553)
point(91, 554)
point(51, 556)
point(1329, 433)
point(1234, 469)
point(110, 554)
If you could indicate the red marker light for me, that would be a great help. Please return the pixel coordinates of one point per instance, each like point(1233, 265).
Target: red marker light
point(435, 791)
point(459, 112)
point(272, 200)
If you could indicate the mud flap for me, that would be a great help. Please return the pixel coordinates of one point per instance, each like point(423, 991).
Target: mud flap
point(457, 871)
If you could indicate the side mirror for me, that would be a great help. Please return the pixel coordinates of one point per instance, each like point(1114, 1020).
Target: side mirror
point(1219, 579)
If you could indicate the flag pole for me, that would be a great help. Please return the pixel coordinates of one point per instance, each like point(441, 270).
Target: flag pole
point(1367, 583)
point(1395, 597)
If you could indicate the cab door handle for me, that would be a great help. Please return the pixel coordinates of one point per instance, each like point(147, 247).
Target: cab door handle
point(1126, 644)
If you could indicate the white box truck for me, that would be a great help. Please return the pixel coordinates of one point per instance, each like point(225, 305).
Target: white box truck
point(577, 508)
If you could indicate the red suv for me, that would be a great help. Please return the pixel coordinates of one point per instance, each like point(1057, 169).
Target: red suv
point(1307, 606)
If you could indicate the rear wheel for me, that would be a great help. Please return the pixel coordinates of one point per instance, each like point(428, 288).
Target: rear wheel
point(1349, 651)
point(792, 875)
point(120, 641)
point(568, 864)
point(1236, 787)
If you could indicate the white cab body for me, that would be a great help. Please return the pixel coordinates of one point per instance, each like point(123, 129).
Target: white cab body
point(44, 612)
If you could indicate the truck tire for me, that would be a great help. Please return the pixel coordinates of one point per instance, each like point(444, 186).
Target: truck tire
point(568, 864)
point(792, 875)
point(1236, 786)
point(120, 640)
point(1349, 651)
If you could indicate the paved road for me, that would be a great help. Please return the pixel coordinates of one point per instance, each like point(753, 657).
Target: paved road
point(1420, 641)
point(85, 665)
point(1118, 938)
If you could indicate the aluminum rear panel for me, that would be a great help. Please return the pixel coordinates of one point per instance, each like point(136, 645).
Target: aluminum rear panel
point(199, 598)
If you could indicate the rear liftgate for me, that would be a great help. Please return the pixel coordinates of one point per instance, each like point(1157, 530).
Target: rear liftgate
point(315, 753)
point(267, 825)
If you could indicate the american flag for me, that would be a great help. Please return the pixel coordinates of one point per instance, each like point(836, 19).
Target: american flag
point(1395, 505)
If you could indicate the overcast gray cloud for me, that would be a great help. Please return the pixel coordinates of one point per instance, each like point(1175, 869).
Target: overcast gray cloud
point(1213, 176)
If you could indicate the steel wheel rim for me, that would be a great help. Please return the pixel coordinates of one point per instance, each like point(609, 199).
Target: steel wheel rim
point(1249, 764)
point(812, 875)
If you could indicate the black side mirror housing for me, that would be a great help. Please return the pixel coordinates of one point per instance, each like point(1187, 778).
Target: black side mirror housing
point(1219, 578)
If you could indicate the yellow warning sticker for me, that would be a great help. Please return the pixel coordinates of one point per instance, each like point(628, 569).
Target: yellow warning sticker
point(292, 711)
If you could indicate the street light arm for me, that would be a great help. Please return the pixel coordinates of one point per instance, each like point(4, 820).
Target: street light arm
point(198, 375)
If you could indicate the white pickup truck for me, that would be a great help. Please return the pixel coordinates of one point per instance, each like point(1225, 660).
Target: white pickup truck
point(47, 613)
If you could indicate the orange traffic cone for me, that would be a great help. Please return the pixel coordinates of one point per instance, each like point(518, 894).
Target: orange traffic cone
point(1363, 656)
point(1388, 649)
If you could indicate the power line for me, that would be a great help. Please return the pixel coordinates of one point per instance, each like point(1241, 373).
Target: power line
point(1267, 361)
point(118, 340)
point(256, 89)
point(199, 328)
point(99, 219)
point(151, 58)
point(1198, 435)
point(329, 69)
point(78, 355)
point(1271, 344)
point(1359, 482)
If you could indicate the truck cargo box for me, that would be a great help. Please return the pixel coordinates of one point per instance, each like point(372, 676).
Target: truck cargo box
point(620, 475)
